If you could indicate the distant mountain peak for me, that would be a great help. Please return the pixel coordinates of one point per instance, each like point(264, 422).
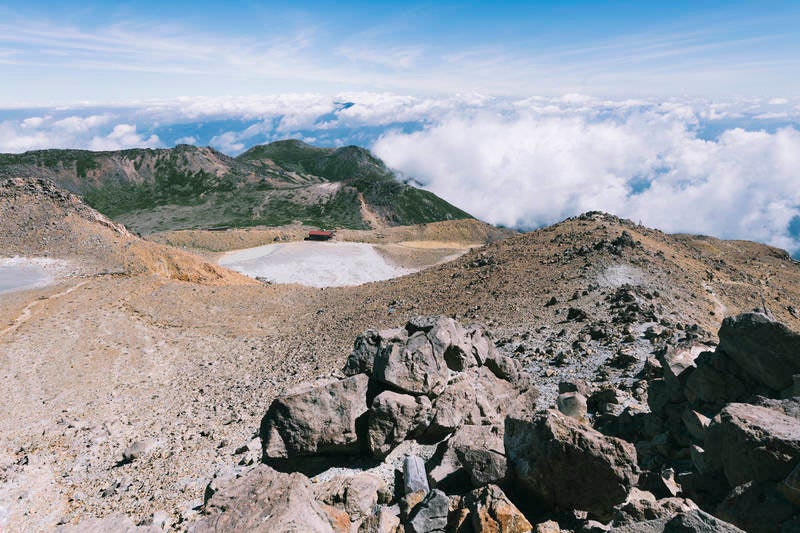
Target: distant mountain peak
point(272, 184)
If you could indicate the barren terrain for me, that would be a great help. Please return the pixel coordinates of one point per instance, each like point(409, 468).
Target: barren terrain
point(127, 385)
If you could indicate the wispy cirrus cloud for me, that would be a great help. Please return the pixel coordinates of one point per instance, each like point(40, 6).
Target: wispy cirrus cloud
point(145, 58)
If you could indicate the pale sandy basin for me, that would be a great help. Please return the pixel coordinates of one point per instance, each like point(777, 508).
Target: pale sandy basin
point(315, 264)
point(21, 273)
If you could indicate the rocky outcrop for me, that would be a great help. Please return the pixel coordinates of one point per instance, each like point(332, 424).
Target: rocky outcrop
point(393, 418)
point(412, 367)
point(757, 508)
point(568, 465)
point(407, 391)
point(317, 418)
point(489, 509)
point(265, 500)
point(430, 515)
point(437, 382)
point(473, 456)
point(766, 350)
point(358, 496)
point(698, 521)
point(752, 443)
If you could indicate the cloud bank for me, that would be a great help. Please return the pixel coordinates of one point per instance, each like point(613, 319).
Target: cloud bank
point(650, 164)
point(729, 169)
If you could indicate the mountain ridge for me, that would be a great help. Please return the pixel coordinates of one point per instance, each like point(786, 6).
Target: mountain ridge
point(188, 187)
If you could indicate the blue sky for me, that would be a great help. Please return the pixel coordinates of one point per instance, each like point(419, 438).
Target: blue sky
point(66, 52)
point(684, 115)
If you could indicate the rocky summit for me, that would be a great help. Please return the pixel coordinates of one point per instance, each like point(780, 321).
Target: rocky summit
point(594, 375)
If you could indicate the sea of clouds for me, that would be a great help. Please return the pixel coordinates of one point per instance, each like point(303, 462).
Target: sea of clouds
point(729, 169)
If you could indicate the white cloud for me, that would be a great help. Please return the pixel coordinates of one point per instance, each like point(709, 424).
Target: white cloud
point(227, 142)
point(123, 136)
point(75, 123)
point(529, 169)
point(677, 164)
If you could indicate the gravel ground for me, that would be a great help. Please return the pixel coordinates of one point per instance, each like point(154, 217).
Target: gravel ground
point(175, 376)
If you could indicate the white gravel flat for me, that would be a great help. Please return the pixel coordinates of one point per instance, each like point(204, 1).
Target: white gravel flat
point(20, 273)
point(315, 264)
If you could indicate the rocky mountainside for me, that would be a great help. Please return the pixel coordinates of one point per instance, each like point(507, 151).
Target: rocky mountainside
point(595, 394)
point(281, 183)
point(37, 219)
point(708, 441)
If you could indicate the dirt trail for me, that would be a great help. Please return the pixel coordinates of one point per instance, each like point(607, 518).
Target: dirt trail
point(27, 311)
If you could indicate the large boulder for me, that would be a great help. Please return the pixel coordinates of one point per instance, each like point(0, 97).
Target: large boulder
point(316, 418)
point(641, 506)
point(766, 350)
point(717, 381)
point(756, 508)
point(472, 457)
point(478, 397)
point(366, 346)
point(750, 442)
point(490, 510)
point(568, 465)
point(356, 495)
point(448, 338)
point(265, 500)
point(413, 367)
point(393, 418)
point(430, 516)
point(698, 521)
point(481, 344)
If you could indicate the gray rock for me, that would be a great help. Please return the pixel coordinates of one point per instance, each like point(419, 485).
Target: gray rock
point(575, 385)
point(569, 465)
point(356, 495)
point(490, 510)
point(413, 367)
point(715, 383)
point(765, 349)
point(481, 344)
point(138, 449)
point(749, 442)
point(756, 508)
point(415, 478)
point(451, 341)
point(477, 397)
point(366, 346)
point(472, 457)
point(430, 516)
point(790, 488)
point(383, 520)
point(696, 424)
point(316, 418)
point(362, 357)
point(504, 367)
point(698, 521)
point(393, 418)
point(641, 506)
point(572, 404)
point(679, 362)
point(264, 500)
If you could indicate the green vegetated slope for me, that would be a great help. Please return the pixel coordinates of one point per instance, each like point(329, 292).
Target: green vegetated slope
point(275, 184)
